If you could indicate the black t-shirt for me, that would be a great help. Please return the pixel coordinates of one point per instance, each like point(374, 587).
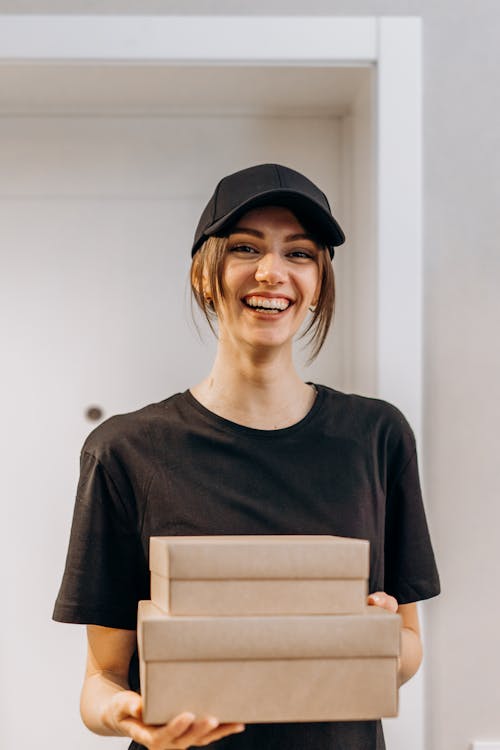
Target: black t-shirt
point(348, 468)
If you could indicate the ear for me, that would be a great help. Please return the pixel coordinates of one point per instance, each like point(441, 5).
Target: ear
point(207, 293)
point(202, 287)
point(315, 299)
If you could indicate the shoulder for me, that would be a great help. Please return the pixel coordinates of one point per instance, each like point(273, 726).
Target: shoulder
point(368, 417)
point(129, 432)
point(367, 408)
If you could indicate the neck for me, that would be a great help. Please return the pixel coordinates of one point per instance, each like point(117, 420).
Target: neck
point(256, 389)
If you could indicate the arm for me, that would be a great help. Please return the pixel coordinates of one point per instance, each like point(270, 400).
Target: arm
point(411, 644)
point(109, 707)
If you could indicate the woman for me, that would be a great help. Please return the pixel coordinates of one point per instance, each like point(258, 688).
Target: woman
point(252, 449)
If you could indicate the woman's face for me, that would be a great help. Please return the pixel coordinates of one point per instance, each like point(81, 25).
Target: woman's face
point(271, 277)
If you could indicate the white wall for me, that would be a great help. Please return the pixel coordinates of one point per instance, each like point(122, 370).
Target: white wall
point(461, 316)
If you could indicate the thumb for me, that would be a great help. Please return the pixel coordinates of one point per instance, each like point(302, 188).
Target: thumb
point(135, 707)
point(128, 703)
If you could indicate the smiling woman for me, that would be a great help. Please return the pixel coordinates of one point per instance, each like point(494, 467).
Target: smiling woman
point(268, 285)
point(251, 449)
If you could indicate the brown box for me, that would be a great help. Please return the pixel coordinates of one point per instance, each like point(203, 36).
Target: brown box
point(259, 575)
point(269, 669)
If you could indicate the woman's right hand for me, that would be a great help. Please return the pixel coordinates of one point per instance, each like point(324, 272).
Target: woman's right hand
point(108, 707)
point(124, 716)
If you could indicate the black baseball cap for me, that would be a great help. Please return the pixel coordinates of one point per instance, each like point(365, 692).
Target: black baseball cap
point(268, 184)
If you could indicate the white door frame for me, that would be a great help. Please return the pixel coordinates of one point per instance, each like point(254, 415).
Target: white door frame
point(391, 44)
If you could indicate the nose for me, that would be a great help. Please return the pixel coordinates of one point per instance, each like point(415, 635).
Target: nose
point(270, 269)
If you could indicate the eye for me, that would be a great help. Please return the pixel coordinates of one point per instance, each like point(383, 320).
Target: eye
point(244, 249)
point(302, 253)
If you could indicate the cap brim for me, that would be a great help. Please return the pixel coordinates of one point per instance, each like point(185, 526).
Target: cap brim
point(319, 222)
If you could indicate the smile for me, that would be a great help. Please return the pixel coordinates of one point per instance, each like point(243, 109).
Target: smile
point(270, 305)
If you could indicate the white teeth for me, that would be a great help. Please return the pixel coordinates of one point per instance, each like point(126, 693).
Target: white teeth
point(269, 303)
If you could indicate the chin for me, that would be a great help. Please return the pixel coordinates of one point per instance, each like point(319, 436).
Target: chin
point(269, 342)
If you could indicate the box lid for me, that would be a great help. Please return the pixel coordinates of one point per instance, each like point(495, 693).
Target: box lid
point(239, 557)
point(162, 637)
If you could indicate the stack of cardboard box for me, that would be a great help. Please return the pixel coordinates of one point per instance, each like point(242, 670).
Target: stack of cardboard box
point(265, 629)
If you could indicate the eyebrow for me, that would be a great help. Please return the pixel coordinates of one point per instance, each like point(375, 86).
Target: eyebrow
point(257, 233)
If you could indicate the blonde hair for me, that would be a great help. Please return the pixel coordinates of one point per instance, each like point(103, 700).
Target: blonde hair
point(207, 271)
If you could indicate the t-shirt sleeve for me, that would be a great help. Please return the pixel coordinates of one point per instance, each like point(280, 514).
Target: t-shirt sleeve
point(105, 567)
point(410, 567)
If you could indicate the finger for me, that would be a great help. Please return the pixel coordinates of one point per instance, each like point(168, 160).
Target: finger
point(223, 730)
point(381, 599)
point(139, 732)
point(152, 735)
point(177, 726)
point(198, 730)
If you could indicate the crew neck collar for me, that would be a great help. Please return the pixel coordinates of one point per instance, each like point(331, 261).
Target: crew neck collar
point(229, 426)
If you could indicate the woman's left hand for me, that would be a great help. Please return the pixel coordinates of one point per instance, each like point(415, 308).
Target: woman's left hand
point(381, 599)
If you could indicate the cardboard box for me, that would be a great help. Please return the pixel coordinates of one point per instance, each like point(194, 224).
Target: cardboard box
point(258, 575)
point(269, 669)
